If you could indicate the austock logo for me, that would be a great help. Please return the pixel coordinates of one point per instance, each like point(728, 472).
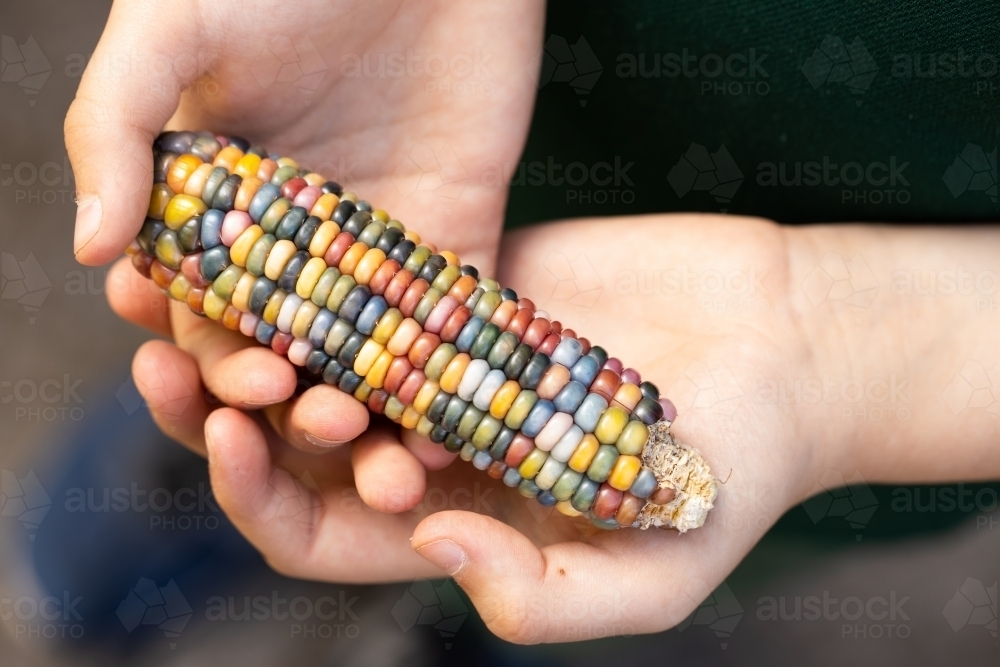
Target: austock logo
point(974, 170)
point(24, 64)
point(873, 617)
point(24, 281)
point(25, 499)
point(302, 611)
point(845, 281)
point(851, 499)
point(299, 64)
point(833, 62)
point(973, 604)
point(976, 387)
point(721, 612)
point(149, 604)
point(576, 65)
point(572, 282)
point(712, 388)
point(47, 617)
point(167, 392)
point(700, 171)
point(288, 498)
point(426, 170)
point(437, 605)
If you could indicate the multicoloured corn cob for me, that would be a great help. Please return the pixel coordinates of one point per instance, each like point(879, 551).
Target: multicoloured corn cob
point(284, 255)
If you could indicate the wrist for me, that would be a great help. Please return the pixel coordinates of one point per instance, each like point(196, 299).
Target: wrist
point(893, 327)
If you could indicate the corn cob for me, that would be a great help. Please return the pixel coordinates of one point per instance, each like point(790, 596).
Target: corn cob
point(284, 255)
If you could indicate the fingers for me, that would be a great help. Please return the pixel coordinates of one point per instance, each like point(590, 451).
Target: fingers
point(306, 523)
point(114, 118)
point(276, 511)
point(322, 418)
point(234, 368)
point(389, 478)
point(168, 380)
point(430, 454)
point(136, 299)
point(631, 583)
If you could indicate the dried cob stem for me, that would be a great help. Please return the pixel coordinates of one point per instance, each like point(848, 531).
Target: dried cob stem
point(682, 469)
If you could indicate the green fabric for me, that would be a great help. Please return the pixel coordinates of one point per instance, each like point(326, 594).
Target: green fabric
point(834, 81)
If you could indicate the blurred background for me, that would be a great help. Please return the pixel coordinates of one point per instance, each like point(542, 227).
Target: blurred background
point(112, 550)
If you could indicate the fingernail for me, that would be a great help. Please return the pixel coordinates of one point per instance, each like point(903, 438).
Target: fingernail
point(323, 442)
point(445, 554)
point(88, 220)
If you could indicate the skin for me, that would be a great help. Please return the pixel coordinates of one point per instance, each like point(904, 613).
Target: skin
point(525, 568)
point(205, 64)
point(391, 506)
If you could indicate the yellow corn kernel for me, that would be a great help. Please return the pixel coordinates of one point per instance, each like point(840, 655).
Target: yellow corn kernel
point(368, 265)
point(624, 472)
point(323, 208)
point(367, 355)
point(228, 157)
point(213, 304)
point(241, 294)
point(409, 418)
point(454, 372)
point(303, 319)
point(311, 272)
point(247, 166)
point(584, 453)
point(422, 401)
point(504, 398)
point(323, 237)
point(376, 374)
point(387, 325)
point(241, 246)
point(182, 208)
point(532, 463)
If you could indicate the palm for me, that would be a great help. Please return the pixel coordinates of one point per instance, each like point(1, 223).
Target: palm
point(386, 95)
point(670, 338)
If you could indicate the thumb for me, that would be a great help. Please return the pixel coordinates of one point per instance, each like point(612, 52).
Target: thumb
point(128, 91)
point(498, 567)
point(620, 582)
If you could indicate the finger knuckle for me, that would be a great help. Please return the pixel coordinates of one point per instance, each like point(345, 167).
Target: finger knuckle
point(512, 623)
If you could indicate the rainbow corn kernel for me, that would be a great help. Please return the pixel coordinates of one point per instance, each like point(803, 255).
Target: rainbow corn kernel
point(285, 256)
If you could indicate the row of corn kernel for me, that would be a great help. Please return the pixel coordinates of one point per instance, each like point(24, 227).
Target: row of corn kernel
point(550, 423)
